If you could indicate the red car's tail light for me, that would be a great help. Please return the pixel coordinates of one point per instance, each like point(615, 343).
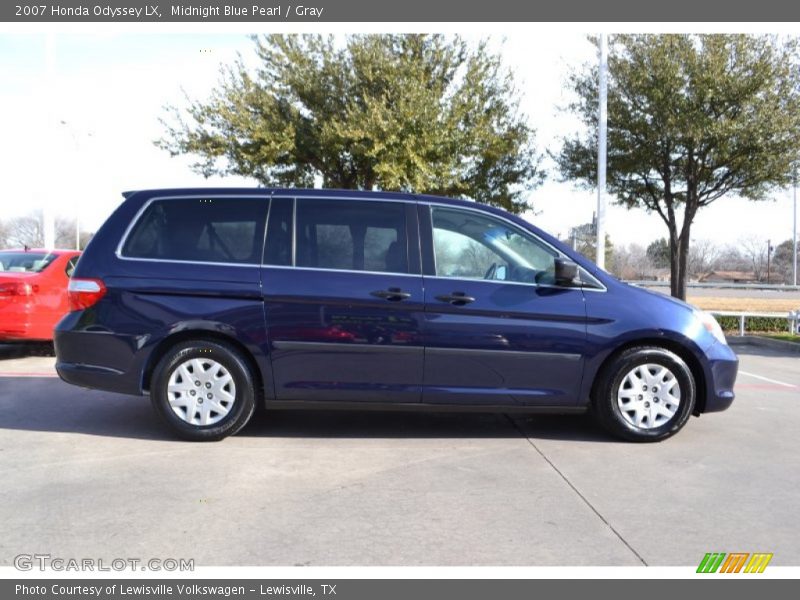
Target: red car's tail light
point(17, 288)
point(84, 293)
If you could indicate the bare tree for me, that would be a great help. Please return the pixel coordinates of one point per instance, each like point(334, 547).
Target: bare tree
point(4, 235)
point(26, 230)
point(632, 262)
point(731, 258)
point(754, 249)
point(703, 258)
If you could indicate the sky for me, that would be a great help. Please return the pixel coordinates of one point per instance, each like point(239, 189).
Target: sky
point(80, 112)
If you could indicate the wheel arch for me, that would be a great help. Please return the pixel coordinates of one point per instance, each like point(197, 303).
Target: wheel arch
point(185, 335)
point(683, 351)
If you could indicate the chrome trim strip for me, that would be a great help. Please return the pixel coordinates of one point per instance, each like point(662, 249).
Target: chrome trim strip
point(189, 262)
point(501, 282)
point(269, 196)
point(265, 196)
point(384, 273)
point(515, 226)
point(144, 207)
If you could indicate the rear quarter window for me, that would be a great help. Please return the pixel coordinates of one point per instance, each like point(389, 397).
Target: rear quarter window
point(217, 230)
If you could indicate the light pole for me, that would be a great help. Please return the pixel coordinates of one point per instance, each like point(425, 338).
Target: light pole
point(794, 232)
point(769, 255)
point(600, 253)
point(48, 218)
point(77, 143)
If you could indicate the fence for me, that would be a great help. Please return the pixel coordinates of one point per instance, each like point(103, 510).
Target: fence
point(792, 319)
point(729, 286)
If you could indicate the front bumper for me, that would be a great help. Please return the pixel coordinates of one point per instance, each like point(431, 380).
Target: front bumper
point(721, 368)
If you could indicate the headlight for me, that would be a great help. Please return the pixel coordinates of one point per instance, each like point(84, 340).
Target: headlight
point(710, 323)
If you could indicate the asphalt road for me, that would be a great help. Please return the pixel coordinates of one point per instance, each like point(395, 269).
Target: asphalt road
point(92, 474)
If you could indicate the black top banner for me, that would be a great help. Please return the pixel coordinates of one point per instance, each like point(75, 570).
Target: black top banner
point(332, 11)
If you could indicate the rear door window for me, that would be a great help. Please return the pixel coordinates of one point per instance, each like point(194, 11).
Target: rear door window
point(351, 235)
point(211, 230)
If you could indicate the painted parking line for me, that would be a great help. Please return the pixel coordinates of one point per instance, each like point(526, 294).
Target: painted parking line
point(775, 381)
point(27, 374)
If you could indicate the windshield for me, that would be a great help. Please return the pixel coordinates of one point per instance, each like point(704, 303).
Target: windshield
point(25, 262)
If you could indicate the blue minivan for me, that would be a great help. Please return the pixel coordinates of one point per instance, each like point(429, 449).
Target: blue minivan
point(215, 302)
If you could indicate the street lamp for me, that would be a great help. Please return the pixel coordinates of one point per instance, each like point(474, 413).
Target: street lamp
point(76, 141)
point(794, 231)
point(769, 254)
point(600, 254)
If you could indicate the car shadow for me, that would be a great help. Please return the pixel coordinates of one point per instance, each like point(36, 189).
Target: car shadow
point(26, 349)
point(50, 405)
point(344, 424)
point(746, 349)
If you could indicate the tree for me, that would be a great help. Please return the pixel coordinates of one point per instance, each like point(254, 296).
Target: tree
point(4, 235)
point(65, 234)
point(692, 119)
point(28, 230)
point(658, 253)
point(703, 258)
point(782, 261)
point(583, 238)
point(732, 259)
point(631, 262)
point(420, 113)
point(754, 250)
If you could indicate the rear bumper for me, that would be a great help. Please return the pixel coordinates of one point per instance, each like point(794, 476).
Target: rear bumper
point(721, 371)
point(98, 359)
point(94, 377)
point(21, 322)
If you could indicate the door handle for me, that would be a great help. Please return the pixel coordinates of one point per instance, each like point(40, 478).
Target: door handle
point(456, 298)
point(393, 294)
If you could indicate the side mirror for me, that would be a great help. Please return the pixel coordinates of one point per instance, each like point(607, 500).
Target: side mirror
point(566, 271)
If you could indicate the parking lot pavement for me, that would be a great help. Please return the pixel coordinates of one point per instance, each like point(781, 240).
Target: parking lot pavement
point(92, 474)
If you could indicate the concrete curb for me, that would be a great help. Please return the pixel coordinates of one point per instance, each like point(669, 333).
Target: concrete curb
point(762, 342)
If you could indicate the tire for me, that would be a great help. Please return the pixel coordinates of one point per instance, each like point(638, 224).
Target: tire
point(664, 398)
point(203, 390)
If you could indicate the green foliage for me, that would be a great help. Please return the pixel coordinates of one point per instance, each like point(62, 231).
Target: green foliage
point(786, 337)
point(658, 253)
point(691, 119)
point(420, 113)
point(731, 324)
point(584, 239)
point(782, 262)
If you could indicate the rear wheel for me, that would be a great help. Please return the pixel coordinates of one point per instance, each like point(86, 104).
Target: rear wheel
point(645, 394)
point(203, 390)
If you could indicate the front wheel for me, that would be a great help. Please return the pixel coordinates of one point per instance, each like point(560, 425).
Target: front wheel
point(646, 394)
point(203, 390)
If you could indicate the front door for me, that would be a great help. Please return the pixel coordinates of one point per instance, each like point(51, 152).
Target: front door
point(498, 330)
point(343, 300)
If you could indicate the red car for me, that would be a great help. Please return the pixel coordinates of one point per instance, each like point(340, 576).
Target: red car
point(33, 292)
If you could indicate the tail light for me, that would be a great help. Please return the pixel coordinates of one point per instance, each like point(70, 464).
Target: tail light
point(84, 293)
point(18, 288)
